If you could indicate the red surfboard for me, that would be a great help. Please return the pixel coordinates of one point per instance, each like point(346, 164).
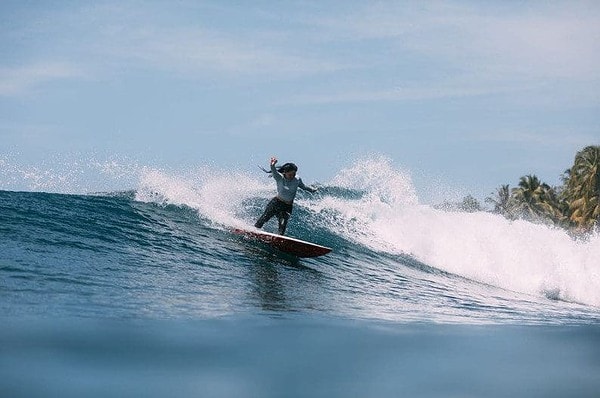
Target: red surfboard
point(286, 244)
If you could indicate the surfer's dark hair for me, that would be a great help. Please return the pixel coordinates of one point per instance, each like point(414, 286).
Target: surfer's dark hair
point(287, 167)
point(282, 169)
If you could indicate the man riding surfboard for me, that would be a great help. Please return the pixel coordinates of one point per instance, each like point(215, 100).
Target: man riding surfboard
point(287, 186)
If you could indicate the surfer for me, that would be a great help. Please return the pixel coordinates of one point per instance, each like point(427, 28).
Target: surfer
point(287, 185)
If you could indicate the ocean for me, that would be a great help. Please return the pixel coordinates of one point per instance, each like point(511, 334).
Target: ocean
point(146, 292)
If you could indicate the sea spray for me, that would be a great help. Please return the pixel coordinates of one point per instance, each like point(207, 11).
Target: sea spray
point(377, 177)
point(217, 195)
point(515, 255)
point(75, 173)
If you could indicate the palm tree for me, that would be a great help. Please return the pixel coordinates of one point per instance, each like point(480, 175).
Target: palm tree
point(583, 188)
point(534, 200)
point(501, 201)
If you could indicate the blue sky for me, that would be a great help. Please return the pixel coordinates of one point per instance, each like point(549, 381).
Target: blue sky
point(464, 94)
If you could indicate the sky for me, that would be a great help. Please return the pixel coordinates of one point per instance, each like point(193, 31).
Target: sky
point(463, 95)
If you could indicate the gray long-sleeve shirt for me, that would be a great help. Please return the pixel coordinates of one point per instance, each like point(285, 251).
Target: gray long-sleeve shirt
point(286, 189)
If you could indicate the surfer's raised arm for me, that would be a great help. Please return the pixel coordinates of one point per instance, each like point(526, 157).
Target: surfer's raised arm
point(274, 171)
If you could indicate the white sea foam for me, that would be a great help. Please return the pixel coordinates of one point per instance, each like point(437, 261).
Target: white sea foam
point(387, 216)
point(218, 196)
point(516, 255)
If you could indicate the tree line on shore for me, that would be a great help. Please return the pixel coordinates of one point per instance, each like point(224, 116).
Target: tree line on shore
point(574, 205)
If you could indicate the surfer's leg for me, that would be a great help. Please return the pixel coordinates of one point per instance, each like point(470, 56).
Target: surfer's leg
point(283, 218)
point(270, 211)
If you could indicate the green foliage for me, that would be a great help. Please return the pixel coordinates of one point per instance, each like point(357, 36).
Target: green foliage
point(582, 188)
point(468, 204)
point(575, 204)
point(501, 201)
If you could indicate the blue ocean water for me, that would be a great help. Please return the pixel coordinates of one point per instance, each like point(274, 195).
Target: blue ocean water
point(145, 292)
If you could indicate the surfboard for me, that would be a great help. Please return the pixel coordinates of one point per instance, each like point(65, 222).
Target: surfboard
point(297, 247)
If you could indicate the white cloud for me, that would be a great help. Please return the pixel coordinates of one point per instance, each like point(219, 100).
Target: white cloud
point(23, 79)
point(543, 138)
point(116, 38)
point(195, 51)
point(494, 40)
point(546, 52)
point(159, 37)
point(410, 92)
point(468, 49)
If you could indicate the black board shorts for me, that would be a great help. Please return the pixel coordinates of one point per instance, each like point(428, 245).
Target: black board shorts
point(279, 206)
point(275, 207)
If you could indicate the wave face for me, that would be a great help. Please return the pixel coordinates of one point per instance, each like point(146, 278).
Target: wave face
point(164, 249)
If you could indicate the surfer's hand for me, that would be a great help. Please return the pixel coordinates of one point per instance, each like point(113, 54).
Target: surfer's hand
point(273, 160)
